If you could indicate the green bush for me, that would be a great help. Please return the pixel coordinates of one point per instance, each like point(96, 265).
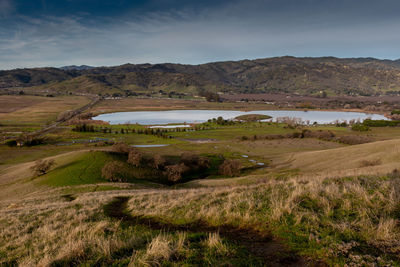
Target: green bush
point(380, 123)
point(360, 127)
point(11, 143)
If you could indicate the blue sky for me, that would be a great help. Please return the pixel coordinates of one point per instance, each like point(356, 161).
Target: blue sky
point(39, 33)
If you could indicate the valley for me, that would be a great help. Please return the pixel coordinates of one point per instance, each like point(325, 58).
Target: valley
point(218, 192)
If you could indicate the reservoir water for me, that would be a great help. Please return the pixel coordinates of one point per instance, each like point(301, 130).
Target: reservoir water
point(198, 116)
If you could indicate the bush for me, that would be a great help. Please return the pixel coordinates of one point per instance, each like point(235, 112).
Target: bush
point(11, 143)
point(380, 123)
point(195, 161)
point(189, 158)
point(354, 139)
point(121, 148)
point(135, 157)
point(113, 171)
point(158, 162)
point(230, 168)
point(368, 163)
point(174, 172)
point(41, 167)
point(360, 127)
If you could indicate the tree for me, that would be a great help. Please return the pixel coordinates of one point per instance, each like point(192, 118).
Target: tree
point(135, 157)
point(113, 171)
point(121, 148)
point(230, 167)
point(158, 161)
point(174, 172)
point(41, 167)
point(189, 158)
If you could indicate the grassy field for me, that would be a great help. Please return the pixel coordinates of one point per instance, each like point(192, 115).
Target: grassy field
point(20, 114)
point(135, 104)
point(298, 200)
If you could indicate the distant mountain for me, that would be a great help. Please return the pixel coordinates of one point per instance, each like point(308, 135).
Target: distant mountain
point(280, 74)
point(74, 67)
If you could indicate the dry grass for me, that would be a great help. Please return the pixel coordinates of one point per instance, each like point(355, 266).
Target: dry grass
point(30, 110)
point(372, 162)
point(215, 245)
point(322, 210)
point(160, 250)
point(47, 230)
point(335, 215)
point(345, 161)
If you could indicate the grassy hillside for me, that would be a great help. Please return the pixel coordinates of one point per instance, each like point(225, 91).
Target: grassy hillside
point(301, 196)
point(363, 76)
point(372, 158)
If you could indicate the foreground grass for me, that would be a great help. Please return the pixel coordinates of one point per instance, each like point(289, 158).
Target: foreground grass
point(78, 233)
point(339, 221)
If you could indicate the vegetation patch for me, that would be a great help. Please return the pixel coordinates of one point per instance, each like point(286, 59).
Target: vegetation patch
point(84, 169)
point(252, 117)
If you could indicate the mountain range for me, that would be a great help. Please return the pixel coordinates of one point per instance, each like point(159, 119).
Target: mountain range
point(308, 76)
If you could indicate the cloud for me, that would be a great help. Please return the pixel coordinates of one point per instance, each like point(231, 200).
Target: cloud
point(6, 8)
point(233, 31)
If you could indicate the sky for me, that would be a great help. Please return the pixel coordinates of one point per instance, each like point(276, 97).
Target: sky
point(38, 33)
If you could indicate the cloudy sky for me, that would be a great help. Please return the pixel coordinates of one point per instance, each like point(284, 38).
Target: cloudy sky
point(36, 33)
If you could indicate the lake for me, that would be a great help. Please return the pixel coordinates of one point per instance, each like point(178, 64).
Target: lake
point(198, 116)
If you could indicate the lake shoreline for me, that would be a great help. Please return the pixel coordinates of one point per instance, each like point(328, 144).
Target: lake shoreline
point(190, 116)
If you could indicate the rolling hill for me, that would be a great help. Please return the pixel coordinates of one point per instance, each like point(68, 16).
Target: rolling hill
point(352, 76)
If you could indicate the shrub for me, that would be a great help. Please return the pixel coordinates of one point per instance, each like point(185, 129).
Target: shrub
point(121, 148)
point(113, 171)
point(174, 172)
point(360, 127)
point(158, 161)
point(195, 161)
point(291, 122)
point(189, 158)
point(203, 163)
point(135, 157)
point(373, 162)
point(41, 167)
point(354, 139)
point(380, 123)
point(11, 143)
point(230, 167)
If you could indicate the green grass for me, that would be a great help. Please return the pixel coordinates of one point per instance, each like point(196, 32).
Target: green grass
point(84, 169)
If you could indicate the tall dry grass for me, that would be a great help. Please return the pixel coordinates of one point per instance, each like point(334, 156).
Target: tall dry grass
point(326, 218)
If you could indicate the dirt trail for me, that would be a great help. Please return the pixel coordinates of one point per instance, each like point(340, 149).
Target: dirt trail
point(260, 245)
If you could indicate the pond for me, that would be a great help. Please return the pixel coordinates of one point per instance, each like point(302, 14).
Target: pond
point(198, 116)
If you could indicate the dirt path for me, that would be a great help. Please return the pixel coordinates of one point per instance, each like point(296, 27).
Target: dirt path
point(54, 125)
point(260, 245)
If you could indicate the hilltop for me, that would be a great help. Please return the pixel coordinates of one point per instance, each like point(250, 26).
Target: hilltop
point(335, 76)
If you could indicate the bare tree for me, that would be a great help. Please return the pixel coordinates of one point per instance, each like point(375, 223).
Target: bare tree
point(230, 167)
point(135, 157)
point(41, 167)
point(158, 161)
point(174, 172)
point(121, 148)
point(113, 171)
point(189, 158)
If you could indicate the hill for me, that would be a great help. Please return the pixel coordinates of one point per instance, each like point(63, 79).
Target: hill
point(352, 76)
